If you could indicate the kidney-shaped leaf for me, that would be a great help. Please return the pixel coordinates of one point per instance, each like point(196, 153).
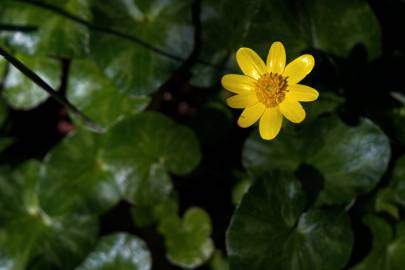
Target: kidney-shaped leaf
point(118, 252)
point(270, 230)
point(143, 149)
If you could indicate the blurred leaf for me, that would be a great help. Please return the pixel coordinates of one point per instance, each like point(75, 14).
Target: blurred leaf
point(56, 36)
point(270, 230)
point(133, 68)
point(143, 149)
point(28, 233)
point(3, 111)
point(392, 197)
point(398, 119)
point(118, 252)
point(327, 102)
point(240, 189)
point(350, 159)
point(97, 96)
point(23, 94)
point(75, 171)
point(388, 248)
point(188, 243)
point(26, 17)
point(63, 37)
point(218, 262)
point(328, 25)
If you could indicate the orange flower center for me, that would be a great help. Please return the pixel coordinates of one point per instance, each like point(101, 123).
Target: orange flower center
point(271, 89)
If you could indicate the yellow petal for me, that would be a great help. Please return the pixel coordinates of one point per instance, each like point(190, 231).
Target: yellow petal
point(292, 110)
point(242, 101)
point(270, 123)
point(250, 115)
point(250, 63)
point(276, 58)
point(299, 68)
point(302, 92)
point(238, 84)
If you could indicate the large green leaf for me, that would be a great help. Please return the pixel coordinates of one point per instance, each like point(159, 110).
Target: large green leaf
point(388, 248)
point(143, 149)
point(163, 24)
point(20, 92)
point(188, 243)
point(29, 234)
point(350, 159)
point(118, 252)
point(270, 230)
point(332, 26)
point(75, 171)
point(93, 93)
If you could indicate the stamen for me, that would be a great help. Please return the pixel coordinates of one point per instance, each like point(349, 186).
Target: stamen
point(271, 89)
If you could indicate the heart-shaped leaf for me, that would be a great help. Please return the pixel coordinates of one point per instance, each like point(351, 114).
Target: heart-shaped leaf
point(270, 230)
point(118, 252)
point(350, 159)
point(187, 240)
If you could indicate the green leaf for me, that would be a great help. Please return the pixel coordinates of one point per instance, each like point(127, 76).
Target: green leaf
point(5, 142)
point(119, 251)
point(350, 159)
point(143, 149)
point(388, 246)
point(240, 189)
point(94, 94)
point(56, 36)
point(133, 68)
point(331, 26)
point(29, 234)
point(20, 14)
point(392, 197)
point(188, 243)
point(23, 94)
point(270, 230)
point(63, 37)
point(218, 262)
point(75, 171)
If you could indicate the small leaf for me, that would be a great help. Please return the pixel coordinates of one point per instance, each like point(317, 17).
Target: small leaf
point(270, 230)
point(23, 94)
point(350, 159)
point(187, 241)
point(118, 252)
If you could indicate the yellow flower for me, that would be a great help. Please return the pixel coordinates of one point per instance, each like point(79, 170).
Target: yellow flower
point(269, 91)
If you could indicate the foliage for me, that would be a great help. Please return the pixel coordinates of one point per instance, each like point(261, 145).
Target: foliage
point(138, 164)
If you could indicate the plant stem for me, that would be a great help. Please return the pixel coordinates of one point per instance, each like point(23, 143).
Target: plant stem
point(45, 86)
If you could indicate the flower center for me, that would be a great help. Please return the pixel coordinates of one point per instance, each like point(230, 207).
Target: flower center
point(271, 89)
